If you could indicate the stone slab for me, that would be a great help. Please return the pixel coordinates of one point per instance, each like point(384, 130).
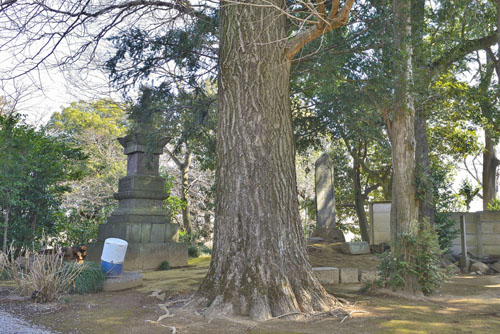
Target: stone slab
point(496, 267)
point(368, 276)
point(144, 256)
point(349, 275)
point(355, 248)
point(325, 192)
point(127, 280)
point(327, 275)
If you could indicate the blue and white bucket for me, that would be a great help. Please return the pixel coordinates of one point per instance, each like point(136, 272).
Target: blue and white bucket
point(113, 255)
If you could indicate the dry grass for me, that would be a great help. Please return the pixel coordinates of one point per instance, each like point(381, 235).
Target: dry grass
point(44, 277)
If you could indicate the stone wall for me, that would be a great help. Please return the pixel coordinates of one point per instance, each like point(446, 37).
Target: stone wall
point(483, 233)
point(482, 229)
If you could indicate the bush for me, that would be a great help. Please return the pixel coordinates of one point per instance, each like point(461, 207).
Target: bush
point(494, 205)
point(193, 250)
point(422, 262)
point(89, 280)
point(164, 266)
point(446, 229)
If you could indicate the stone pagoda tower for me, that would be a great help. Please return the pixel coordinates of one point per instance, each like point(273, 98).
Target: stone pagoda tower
point(140, 218)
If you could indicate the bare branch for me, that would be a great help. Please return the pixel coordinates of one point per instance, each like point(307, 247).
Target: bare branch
point(335, 20)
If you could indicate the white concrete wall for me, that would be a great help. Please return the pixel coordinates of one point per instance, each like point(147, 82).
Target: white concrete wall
point(483, 233)
point(482, 229)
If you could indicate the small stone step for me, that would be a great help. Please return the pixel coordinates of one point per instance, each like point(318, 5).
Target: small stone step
point(349, 275)
point(127, 280)
point(367, 276)
point(327, 275)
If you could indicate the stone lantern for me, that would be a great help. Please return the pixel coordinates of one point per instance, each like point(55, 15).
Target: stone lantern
point(140, 218)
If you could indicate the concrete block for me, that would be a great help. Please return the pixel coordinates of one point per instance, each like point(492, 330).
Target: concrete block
point(368, 275)
point(145, 232)
point(492, 250)
point(327, 275)
point(349, 275)
point(354, 248)
point(491, 239)
point(158, 233)
point(381, 237)
point(133, 233)
point(126, 280)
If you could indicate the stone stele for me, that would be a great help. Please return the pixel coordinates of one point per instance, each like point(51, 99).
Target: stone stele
point(140, 218)
point(325, 201)
point(355, 248)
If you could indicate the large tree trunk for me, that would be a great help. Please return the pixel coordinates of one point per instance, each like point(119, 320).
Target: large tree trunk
point(490, 164)
point(404, 212)
point(259, 264)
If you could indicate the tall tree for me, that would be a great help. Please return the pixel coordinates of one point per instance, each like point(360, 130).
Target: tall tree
point(259, 265)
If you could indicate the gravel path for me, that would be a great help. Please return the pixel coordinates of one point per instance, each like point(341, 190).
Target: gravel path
point(12, 325)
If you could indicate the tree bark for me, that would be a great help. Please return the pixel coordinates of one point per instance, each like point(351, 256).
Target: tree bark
point(5, 229)
point(423, 168)
point(259, 264)
point(404, 212)
point(359, 201)
point(490, 164)
point(186, 214)
point(421, 87)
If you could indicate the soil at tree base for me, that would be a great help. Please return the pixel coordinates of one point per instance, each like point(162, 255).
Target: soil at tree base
point(467, 304)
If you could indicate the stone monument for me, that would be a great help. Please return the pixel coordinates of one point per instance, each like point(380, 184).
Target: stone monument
point(140, 218)
point(325, 201)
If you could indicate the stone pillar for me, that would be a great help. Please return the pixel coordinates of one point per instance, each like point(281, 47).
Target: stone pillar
point(140, 218)
point(325, 201)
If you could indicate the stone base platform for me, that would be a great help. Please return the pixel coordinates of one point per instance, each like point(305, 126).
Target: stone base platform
point(333, 275)
point(144, 256)
point(127, 280)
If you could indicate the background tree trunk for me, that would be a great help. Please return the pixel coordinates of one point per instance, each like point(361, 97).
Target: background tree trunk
point(359, 201)
point(5, 228)
point(186, 214)
point(421, 87)
point(259, 264)
point(490, 161)
point(423, 168)
point(404, 212)
point(490, 164)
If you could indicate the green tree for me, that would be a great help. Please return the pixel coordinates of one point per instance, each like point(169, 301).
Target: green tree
point(33, 174)
point(93, 126)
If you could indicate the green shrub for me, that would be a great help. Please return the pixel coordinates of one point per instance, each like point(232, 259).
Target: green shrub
point(446, 229)
point(89, 280)
point(164, 266)
point(494, 205)
point(193, 250)
point(422, 262)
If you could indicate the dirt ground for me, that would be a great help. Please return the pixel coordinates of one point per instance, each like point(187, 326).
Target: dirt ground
point(465, 304)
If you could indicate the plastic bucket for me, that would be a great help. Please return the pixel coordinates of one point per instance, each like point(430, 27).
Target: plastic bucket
point(113, 255)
